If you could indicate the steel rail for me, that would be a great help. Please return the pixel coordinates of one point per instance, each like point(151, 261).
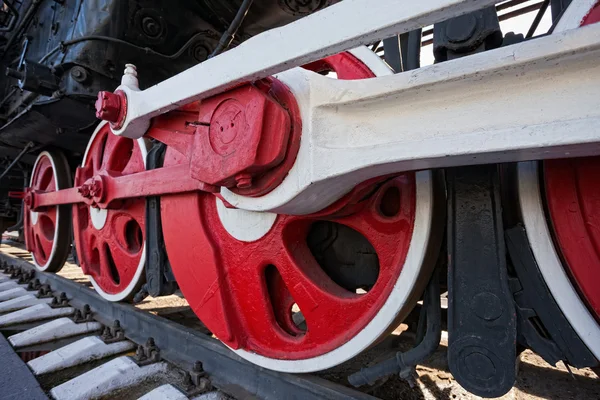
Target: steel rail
point(183, 347)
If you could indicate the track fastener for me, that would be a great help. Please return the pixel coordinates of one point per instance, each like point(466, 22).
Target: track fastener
point(60, 301)
point(113, 334)
point(85, 315)
point(147, 354)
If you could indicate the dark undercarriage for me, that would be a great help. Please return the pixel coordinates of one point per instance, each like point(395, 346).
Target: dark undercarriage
point(58, 54)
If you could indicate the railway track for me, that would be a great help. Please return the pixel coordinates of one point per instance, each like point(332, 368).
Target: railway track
point(182, 342)
point(157, 349)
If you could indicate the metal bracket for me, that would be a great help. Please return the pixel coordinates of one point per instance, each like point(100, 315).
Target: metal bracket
point(482, 326)
point(147, 354)
point(113, 334)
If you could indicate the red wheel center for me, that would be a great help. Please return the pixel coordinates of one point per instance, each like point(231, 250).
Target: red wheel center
point(110, 242)
point(307, 286)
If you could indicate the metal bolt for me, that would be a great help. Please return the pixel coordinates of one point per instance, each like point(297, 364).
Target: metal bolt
point(198, 367)
point(79, 74)
point(151, 27)
point(139, 353)
point(84, 191)
point(200, 52)
point(243, 181)
point(109, 106)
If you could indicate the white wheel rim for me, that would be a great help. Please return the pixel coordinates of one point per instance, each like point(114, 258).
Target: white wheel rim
point(403, 288)
point(538, 231)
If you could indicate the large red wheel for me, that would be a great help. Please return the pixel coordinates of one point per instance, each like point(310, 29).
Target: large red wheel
point(47, 231)
point(560, 204)
point(110, 242)
point(305, 293)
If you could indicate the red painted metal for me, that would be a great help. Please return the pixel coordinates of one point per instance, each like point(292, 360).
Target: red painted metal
point(573, 200)
point(104, 189)
point(112, 107)
point(344, 65)
point(245, 291)
point(112, 254)
point(593, 16)
point(246, 134)
point(17, 195)
point(39, 238)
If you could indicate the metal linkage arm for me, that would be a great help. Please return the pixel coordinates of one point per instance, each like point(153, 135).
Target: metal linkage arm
point(306, 40)
point(103, 189)
point(534, 100)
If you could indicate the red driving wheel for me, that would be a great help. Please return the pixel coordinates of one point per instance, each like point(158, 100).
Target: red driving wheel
point(300, 293)
point(47, 231)
point(573, 202)
point(111, 242)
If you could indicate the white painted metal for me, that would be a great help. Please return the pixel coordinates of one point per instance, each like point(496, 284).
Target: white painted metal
point(164, 392)
point(243, 225)
point(398, 299)
point(540, 240)
point(357, 22)
point(99, 217)
point(441, 116)
point(120, 373)
point(130, 77)
point(38, 312)
point(22, 302)
point(538, 231)
point(34, 215)
point(8, 285)
point(86, 350)
point(13, 293)
point(54, 330)
point(574, 14)
point(211, 396)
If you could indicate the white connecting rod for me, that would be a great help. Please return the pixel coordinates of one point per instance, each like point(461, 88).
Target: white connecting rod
point(535, 100)
point(340, 27)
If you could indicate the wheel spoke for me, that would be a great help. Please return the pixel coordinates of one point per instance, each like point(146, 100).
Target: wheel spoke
point(44, 244)
point(317, 296)
point(117, 153)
